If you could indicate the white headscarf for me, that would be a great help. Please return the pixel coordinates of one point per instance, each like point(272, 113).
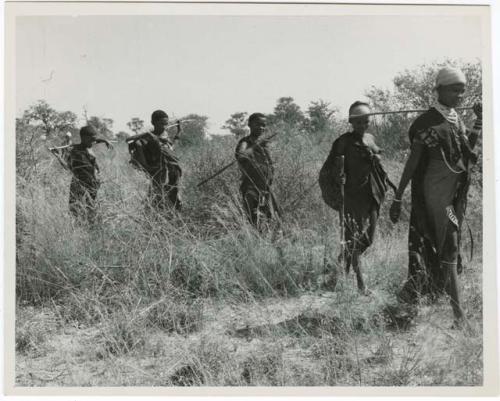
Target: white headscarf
point(449, 113)
point(448, 76)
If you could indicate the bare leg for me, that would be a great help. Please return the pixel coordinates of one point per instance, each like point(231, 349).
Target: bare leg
point(365, 240)
point(349, 243)
point(449, 263)
point(357, 270)
point(346, 254)
point(353, 234)
point(174, 178)
point(454, 292)
point(251, 206)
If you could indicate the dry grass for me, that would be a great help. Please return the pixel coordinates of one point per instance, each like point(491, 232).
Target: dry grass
point(201, 298)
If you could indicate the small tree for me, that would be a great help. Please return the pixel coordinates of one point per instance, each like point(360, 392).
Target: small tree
point(30, 147)
point(319, 116)
point(288, 112)
point(102, 125)
point(194, 131)
point(237, 123)
point(65, 121)
point(50, 120)
point(136, 125)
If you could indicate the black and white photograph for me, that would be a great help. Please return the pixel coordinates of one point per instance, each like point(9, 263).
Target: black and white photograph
point(242, 196)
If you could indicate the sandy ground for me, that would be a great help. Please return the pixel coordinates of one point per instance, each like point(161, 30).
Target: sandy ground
point(303, 340)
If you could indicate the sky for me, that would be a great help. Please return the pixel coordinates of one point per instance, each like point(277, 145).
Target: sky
point(121, 67)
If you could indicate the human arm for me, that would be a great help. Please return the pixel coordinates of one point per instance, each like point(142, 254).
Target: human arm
point(409, 169)
point(375, 151)
point(478, 125)
point(82, 167)
point(105, 141)
point(243, 150)
point(179, 130)
point(245, 157)
point(255, 163)
point(139, 155)
point(338, 154)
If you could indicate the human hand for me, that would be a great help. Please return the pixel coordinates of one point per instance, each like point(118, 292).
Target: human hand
point(245, 150)
point(478, 110)
point(395, 211)
point(101, 140)
point(178, 130)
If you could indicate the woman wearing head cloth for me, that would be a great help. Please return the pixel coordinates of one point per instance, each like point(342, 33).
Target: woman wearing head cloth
point(439, 168)
point(365, 186)
point(85, 182)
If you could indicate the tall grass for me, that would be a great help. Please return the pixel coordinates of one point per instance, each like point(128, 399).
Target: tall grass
point(134, 271)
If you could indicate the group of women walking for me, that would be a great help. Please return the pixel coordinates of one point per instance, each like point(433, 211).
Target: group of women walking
point(439, 167)
point(352, 181)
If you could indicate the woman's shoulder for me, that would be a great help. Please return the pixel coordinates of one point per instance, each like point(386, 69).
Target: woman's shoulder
point(422, 126)
point(341, 141)
point(427, 119)
point(78, 150)
point(243, 142)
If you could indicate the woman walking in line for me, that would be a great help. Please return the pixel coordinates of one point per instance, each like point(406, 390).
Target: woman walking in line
point(439, 168)
point(84, 183)
point(357, 154)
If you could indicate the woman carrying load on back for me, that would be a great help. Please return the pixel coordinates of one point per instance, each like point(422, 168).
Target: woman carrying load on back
point(439, 167)
point(153, 152)
point(365, 186)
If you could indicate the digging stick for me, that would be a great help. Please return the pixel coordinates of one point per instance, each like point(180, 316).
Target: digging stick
point(53, 151)
point(216, 174)
point(341, 210)
point(379, 113)
point(233, 162)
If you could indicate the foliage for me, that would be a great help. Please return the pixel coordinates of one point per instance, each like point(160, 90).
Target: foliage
point(237, 124)
point(50, 120)
point(102, 125)
point(288, 112)
point(194, 131)
point(319, 116)
point(136, 125)
point(29, 140)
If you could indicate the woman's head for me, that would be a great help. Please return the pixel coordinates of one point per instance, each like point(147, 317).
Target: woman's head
point(159, 119)
point(257, 123)
point(450, 86)
point(358, 116)
point(88, 135)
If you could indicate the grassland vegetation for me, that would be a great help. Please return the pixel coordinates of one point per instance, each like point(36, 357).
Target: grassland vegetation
point(202, 298)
